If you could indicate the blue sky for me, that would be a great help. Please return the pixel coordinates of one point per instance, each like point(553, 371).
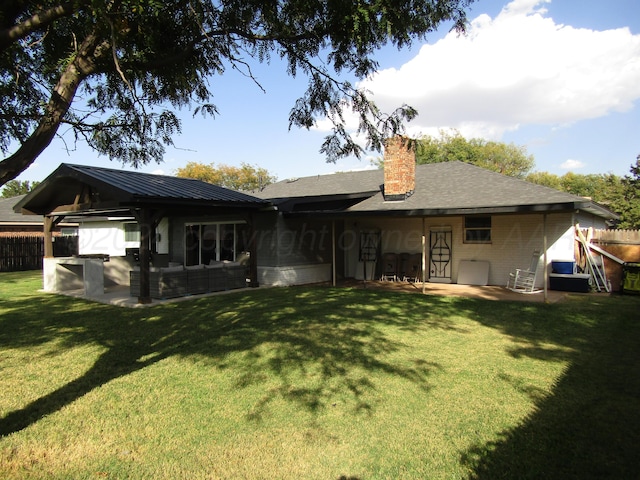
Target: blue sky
point(561, 78)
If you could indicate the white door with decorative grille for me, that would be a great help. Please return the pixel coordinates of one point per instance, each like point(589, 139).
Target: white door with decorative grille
point(440, 255)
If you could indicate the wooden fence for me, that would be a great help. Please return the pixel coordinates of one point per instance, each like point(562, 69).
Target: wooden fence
point(25, 252)
point(625, 237)
point(623, 244)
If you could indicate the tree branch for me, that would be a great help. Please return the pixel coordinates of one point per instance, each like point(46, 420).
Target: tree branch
point(61, 98)
point(34, 23)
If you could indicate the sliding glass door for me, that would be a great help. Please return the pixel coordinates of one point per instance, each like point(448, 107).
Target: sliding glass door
point(214, 242)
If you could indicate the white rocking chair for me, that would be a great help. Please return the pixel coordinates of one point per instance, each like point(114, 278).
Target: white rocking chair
point(524, 280)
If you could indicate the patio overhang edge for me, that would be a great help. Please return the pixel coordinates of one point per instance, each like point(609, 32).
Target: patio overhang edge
point(590, 207)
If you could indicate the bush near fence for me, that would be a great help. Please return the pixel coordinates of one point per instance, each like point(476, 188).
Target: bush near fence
point(25, 252)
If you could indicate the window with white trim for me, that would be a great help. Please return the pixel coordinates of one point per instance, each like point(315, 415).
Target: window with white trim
point(131, 232)
point(477, 229)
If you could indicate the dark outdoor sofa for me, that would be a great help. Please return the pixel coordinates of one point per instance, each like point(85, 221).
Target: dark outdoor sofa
point(171, 282)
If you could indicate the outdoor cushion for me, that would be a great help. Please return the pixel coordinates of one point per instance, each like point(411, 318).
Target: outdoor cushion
point(172, 269)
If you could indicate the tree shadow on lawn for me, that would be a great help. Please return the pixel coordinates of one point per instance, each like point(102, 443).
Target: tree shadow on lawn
point(339, 335)
point(589, 427)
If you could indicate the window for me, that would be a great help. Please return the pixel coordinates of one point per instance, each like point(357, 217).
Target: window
point(477, 229)
point(131, 232)
point(216, 242)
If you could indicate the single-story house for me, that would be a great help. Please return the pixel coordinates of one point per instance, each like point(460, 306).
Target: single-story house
point(452, 214)
point(465, 223)
point(15, 224)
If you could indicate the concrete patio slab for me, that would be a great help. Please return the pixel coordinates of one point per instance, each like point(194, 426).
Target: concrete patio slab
point(119, 295)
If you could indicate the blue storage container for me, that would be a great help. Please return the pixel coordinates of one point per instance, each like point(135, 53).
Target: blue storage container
point(564, 267)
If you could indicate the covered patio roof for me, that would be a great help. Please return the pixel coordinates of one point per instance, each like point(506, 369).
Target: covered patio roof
point(77, 190)
point(86, 190)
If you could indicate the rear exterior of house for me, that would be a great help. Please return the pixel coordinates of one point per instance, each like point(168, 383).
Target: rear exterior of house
point(455, 217)
point(452, 214)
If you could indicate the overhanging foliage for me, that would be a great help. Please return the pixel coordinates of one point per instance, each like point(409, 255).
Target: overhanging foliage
point(115, 71)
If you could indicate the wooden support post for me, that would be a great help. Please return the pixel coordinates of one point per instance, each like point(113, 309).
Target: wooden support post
point(148, 219)
point(48, 236)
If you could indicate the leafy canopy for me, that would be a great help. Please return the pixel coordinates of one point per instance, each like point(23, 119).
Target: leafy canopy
point(620, 194)
point(13, 188)
point(245, 177)
point(629, 204)
point(504, 158)
point(115, 71)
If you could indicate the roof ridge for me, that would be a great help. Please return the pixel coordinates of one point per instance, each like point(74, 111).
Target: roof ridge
point(119, 170)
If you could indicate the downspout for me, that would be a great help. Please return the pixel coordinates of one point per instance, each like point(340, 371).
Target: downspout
point(546, 268)
point(424, 255)
point(333, 252)
point(253, 252)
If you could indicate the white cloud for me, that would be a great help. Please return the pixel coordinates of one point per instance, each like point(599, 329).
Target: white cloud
point(572, 165)
point(516, 69)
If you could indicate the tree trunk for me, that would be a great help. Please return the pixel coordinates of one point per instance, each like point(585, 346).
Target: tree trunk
point(61, 98)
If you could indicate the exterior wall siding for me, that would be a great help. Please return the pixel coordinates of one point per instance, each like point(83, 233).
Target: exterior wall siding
point(107, 237)
point(303, 242)
point(103, 238)
point(514, 238)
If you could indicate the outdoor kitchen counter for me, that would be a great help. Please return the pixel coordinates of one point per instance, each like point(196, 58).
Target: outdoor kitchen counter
point(72, 273)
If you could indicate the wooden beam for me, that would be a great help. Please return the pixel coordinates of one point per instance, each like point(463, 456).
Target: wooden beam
point(73, 207)
point(611, 256)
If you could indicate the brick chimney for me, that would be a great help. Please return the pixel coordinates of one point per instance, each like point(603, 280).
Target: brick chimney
point(399, 168)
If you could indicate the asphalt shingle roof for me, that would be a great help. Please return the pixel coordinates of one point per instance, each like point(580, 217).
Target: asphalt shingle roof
point(441, 188)
point(320, 185)
point(7, 215)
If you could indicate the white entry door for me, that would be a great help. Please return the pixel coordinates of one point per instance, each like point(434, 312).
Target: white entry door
point(440, 255)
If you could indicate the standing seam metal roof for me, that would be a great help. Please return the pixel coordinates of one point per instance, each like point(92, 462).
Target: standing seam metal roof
point(161, 186)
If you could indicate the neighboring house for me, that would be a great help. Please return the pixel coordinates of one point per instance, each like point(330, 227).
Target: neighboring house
point(21, 242)
point(15, 224)
point(320, 228)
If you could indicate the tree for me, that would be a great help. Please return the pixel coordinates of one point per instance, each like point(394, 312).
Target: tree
point(547, 179)
point(115, 71)
point(508, 159)
point(629, 205)
point(13, 188)
point(606, 188)
point(246, 177)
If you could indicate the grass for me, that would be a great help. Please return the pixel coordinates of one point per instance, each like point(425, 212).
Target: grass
point(318, 383)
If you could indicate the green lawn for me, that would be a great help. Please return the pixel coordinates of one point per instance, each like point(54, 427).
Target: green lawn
point(317, 383)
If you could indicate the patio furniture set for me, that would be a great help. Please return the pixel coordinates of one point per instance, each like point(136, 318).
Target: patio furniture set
point(179, 281)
